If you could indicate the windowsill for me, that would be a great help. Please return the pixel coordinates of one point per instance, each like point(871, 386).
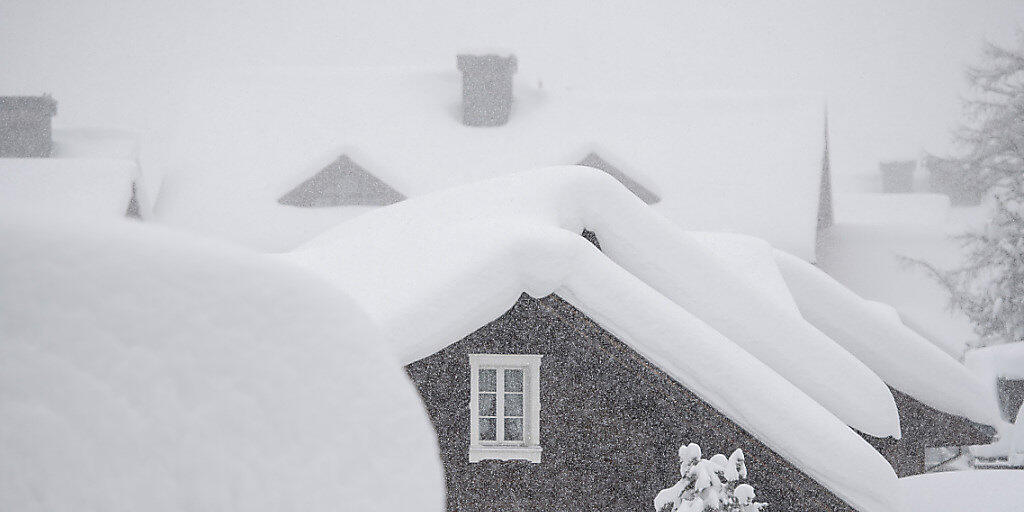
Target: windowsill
point(479, 453)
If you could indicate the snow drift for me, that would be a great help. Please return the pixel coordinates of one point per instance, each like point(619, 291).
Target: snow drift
point(144, 370)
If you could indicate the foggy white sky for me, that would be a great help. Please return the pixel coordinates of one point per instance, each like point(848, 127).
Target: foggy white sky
point(891, 70)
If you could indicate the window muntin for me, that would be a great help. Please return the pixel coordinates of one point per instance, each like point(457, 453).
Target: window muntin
point(505, 406)
point(500, 404)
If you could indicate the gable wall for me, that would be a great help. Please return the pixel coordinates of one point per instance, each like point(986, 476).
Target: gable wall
point(611, 423)
point(924, 427)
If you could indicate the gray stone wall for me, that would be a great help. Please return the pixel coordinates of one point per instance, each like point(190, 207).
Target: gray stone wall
point(611, 423)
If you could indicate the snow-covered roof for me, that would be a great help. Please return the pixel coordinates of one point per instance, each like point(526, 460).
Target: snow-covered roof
point(869, 246)
point(141, 369)
point(746, 163)
point(956, 491)
point(869, 330)
point(433, 269)
point(89, 187)
point(91, 173)
point(873, 332)
point(1005, 361)
point(872, 260)
point(896, 209)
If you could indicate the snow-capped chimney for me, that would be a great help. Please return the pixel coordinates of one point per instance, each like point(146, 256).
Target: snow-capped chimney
point(486, 89)
point(898, 176)
point(25, 128)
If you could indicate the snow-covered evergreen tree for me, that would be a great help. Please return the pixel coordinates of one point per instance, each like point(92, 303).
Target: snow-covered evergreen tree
point(708, 485)
point(989, 286)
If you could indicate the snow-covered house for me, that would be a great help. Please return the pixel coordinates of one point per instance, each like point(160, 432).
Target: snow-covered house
point(559, 375)
point(84, 172)
point(271, 141)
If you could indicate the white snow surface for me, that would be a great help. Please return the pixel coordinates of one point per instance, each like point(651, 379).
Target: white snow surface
point(433, 269)
point(110, 143)
point(879, 208)
point(870, 260)
point(751, 259)
point(959, 491)
point(141, 369)
point(873, 235)
point(87, 187)
point(873, 332)
point(1006, 361)
point(737, 162)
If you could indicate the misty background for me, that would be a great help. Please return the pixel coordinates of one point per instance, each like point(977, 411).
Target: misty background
point(891, 71)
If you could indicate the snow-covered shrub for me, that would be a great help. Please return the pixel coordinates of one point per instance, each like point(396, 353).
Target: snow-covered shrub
point(708, 485)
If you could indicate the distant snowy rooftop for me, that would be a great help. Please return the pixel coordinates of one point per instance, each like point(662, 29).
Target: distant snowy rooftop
point(91, 172)
point(726, 162)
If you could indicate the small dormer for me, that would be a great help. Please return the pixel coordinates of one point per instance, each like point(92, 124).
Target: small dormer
point(486, 88)
point(25, 126)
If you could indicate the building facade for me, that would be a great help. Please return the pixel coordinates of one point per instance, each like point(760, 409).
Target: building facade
point(610, 422)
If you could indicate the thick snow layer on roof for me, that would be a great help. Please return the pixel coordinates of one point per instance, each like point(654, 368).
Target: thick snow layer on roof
point(1006, 361)
point(95, 143)
point(873, 333)
point(927, 209)
point(724, 162)
point(957, 491)
point(143, 370)
point(870, 260)
point(433, 269)
point(634, 236)
point(752, 259)
point(89, 187)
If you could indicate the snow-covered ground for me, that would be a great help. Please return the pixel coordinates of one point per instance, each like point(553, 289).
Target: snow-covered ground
point(962, 491)
point(143, 369)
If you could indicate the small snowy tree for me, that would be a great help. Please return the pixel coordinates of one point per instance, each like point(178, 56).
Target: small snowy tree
point(989, 286)
point(708, 485)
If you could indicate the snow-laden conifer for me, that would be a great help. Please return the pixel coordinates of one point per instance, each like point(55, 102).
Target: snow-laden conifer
point(708, 485)
point(989, 286)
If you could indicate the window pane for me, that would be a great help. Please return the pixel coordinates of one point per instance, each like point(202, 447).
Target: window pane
point(513, 380)
point(488, 380)
point(488, 404)
point(488, 429)
point(513, 404)
point(513, 429)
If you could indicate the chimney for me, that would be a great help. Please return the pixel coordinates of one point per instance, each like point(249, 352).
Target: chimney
point(25, 129)
point(486, 89)
point(898, 176)
point(955, 179)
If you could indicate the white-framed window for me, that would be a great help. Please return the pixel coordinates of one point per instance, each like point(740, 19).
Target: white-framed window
point(505, 407)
